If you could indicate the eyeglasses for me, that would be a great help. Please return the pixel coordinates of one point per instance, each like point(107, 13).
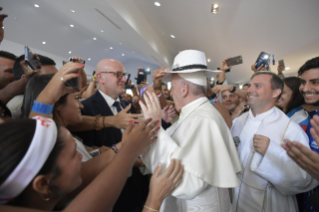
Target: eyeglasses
point(118, 74)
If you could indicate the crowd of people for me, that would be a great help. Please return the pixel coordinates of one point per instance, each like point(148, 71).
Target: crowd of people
point(201, 145)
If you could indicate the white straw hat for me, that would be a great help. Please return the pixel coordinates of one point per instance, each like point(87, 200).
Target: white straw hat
point(190, 65)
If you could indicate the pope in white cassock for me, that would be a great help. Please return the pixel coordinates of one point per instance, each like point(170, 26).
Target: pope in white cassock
point(200, 139)
point(270, 178)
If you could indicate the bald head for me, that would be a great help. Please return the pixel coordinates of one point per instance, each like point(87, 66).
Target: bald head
point(108, 65)
point(107, 78)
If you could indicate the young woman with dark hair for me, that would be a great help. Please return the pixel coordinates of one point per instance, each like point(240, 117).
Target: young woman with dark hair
point(40, 164)
point(291, 96)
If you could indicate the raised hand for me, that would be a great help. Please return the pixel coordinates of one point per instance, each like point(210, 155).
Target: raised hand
point(164, 184)
point(141, 136)
point(218, 89)
point(157, 78)
point(261, 68)
point(168, 113)
point(223, 66)
point(151, 108)
point(239, 109)
point(122, 119)
point(302, 155)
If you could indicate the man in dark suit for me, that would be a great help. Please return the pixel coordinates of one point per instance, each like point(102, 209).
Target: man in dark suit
point(111, 77)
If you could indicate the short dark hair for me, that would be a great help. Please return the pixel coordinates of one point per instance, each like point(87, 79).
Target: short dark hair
point(310, 64)
point(15, 139)
point(8, 55)
point(17, 68)
point(296, 98)
point(46, 61)
point(276, 82)
point(247, 84)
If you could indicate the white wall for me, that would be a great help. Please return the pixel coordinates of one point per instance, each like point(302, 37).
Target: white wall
point(131, 67)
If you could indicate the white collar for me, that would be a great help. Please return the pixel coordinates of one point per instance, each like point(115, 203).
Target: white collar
point(191, 106)
point(260, 117)
point(109, 100)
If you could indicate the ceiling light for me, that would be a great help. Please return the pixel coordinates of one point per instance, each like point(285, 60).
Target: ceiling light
point(120, 43)
point(36, 5)
point(89, 58)
point(94, 38)
point(157, 4)
point(214, 8)
point(172, 36)
point(212, 79)
point(70, 52)
point(71, 25)
point(123, 54)
point(208, 60)
point(240, 86)
point(111, 47)
point(43, 42)
point(287, 68)
point(73, 11)
point(102, 31)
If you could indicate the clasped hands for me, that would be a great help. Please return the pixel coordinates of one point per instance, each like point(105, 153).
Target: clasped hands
point(261, 143)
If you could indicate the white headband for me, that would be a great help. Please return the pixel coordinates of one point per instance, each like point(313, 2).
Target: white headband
point(40, 148)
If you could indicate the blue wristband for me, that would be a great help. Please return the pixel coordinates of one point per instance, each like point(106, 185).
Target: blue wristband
point(115, 147)
point(44, 109)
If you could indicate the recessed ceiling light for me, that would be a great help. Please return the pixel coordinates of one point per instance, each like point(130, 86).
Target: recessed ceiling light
point(73, 11)
point(89, 58)
point(157, 4)
point(111, 47)
point(102, 31)
point(123, 54)
point(215, 6)
point(287, 68)
point(120, 43)
point(94, 38)
point(36, 5)
point(71, 25)
point(172, 36)
point(70, 52)
point(43, 42)
point(208, 60)
point(212, 79)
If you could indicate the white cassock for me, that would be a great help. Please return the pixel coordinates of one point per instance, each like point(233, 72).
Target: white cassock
point(203, 142)
point(269, 182)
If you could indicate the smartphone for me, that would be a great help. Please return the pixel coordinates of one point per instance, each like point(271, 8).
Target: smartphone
point(142, 76)
point(234, 61)
point(29, 58)
point(263, 59)
point(75, 82)
point(281, 63)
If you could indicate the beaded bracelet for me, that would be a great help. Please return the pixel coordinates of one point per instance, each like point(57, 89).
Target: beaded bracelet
point(96, 122)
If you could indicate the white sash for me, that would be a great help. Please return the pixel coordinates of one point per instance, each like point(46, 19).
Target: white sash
point(253, 188)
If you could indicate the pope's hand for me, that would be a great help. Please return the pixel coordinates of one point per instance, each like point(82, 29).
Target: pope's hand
point(151, 108)
point(168, 113)
point(261, 143)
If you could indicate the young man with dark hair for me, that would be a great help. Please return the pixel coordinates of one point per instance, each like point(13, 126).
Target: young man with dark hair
point(309, 88)
point(245, 87)
point(6, 65)
point(48, 65)
point(270, 178)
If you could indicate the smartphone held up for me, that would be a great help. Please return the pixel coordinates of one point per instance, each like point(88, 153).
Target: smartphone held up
point(75, 82)
point(29, 58)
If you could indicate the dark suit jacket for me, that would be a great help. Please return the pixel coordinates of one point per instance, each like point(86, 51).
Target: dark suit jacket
point(135, 191)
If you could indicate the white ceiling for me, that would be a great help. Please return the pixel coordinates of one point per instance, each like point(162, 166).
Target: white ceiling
point(287, 28)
